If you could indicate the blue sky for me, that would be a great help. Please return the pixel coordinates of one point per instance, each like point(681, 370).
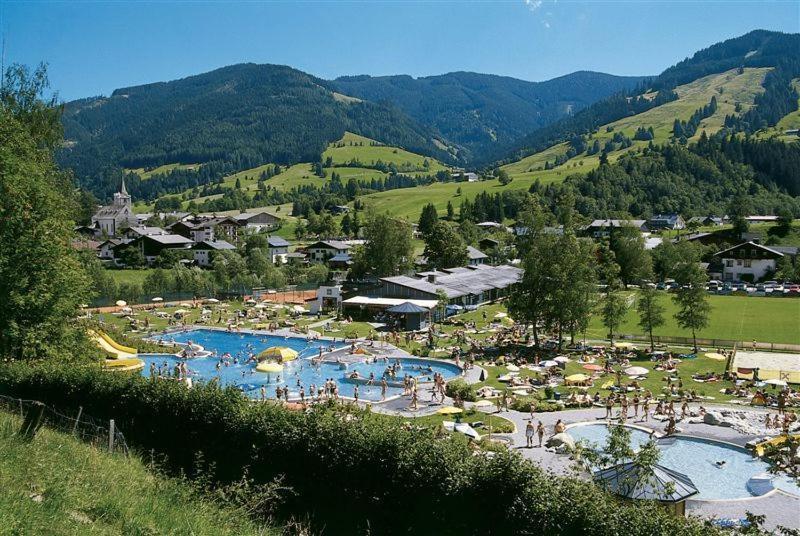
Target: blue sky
point(93, 47)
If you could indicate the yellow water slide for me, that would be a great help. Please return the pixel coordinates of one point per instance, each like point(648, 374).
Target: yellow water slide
point(110, 346)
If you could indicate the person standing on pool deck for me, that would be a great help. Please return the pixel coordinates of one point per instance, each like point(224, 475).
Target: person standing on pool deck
point(635, 406)
point(384, 385)
point(263, 393)
point(609, 405)
point(645, 409)
point(355, 393)
point(529, 431)
point(540, 432)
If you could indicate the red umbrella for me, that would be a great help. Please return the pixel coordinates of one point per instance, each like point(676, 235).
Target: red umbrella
point(592, 366)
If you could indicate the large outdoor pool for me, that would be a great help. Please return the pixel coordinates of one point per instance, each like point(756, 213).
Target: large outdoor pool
point(295, 373)
point(697, 459)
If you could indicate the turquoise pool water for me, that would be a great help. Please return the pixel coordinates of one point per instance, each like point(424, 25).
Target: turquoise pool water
point(296, 373)
point(697, 459)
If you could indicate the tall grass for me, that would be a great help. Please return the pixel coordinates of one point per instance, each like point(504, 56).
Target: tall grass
point(57, 485)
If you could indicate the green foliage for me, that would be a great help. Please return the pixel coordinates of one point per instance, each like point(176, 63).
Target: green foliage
point(461, 389)
point(694, 310)
point(388, 249)
point(651, 312)
point(42, 282)
point(444, 248)
point(377, 467)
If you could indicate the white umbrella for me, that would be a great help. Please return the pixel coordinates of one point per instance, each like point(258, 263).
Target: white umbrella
point(561, 359)
point(779, 383)
point(636, 371)
point(212, 300)
point(299, 308)
point(501, 315)
point(548, 363)
point(121, 303)
point(157, 299)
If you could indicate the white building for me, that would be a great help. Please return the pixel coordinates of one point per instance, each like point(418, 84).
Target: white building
point(748, 262)
point(111, 219)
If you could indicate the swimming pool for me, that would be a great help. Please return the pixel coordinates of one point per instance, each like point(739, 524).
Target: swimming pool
point(299, 372)
point(696, 458)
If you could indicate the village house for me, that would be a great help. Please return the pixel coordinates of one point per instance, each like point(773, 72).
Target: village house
point(666, 222)
point(324, 250)
point(751, 262)
point(203, 252)
point(278, 248)
point(259, 221)
point(476, 256)
point(151, 246)
point(603, 228)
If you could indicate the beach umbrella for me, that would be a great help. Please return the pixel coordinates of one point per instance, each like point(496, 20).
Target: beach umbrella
point(593, 367)
point(608, 385)
point(483, 404)
point(577, 378)
point(776, 382)
point(548, 363)
point(561, 359)
point(715, 356)
point(121, 303)
point(269, 366)
point(157, 299)
point(636, 371)
point(278, 352)
point(450, 410)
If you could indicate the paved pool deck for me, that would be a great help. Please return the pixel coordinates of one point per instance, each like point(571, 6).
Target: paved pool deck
point(780, 508)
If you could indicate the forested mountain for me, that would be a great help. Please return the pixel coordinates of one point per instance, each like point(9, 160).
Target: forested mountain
point(481, 111)
point(759, 48)
point(229, 119)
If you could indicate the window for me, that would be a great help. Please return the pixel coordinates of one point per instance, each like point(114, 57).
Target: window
point(748, 263)
point(729, 263)
point(738, 262)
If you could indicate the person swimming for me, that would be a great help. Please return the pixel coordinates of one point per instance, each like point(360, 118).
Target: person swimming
point(720, 463)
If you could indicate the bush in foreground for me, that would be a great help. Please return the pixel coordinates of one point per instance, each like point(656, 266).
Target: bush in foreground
point(348, 474)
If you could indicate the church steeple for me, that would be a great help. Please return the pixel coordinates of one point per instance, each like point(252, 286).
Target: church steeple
point(122, 198)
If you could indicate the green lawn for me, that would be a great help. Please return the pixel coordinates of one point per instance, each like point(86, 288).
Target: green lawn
point(56, 484)
point(133, 276)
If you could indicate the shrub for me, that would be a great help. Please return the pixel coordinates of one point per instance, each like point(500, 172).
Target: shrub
point(349, 475)
point(461, 389)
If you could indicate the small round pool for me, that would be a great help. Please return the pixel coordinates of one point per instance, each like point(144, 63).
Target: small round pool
point(696, 458)
point(297, 373)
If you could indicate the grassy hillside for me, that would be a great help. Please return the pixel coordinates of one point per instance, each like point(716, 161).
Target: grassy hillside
point(59, 485)
point(146, 173)
point(354, 147)
point(350, 147)
point(729, 88)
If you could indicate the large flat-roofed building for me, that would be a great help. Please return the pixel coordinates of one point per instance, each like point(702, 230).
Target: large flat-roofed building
point(472, 285)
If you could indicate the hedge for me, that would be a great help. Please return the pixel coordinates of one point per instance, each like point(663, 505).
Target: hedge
point(350, 473)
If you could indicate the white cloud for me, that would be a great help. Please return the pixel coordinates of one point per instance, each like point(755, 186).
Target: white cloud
point(533, 5)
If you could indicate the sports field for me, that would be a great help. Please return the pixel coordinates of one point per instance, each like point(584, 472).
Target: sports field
point(742, 318)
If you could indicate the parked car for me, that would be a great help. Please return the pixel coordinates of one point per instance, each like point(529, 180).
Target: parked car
point(792, 290)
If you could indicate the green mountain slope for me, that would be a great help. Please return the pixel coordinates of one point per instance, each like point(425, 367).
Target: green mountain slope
point(235, 118)
point(480, 111)
point(757, 49)
point(732, 91)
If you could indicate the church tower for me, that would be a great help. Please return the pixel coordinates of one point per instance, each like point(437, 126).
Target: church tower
point(122, 198)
